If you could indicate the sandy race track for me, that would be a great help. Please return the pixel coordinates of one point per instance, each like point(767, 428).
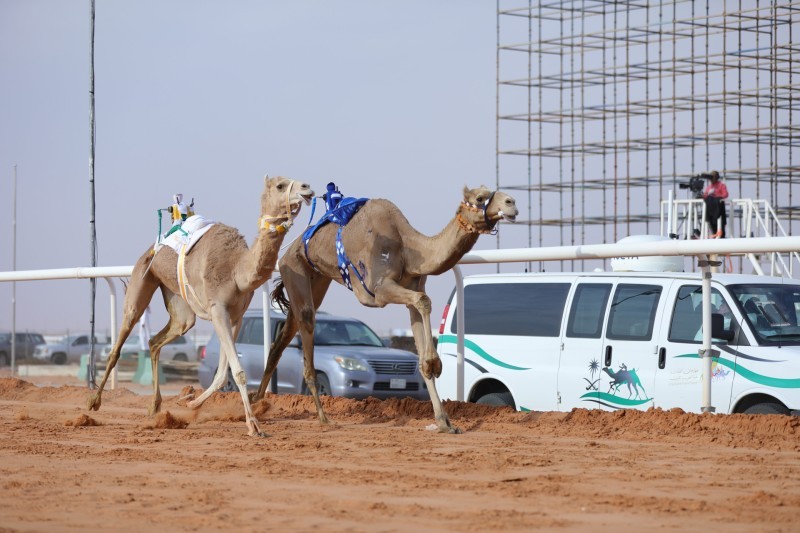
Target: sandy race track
point(377, 468)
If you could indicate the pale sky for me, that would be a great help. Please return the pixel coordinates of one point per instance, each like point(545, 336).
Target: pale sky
point(388, 99)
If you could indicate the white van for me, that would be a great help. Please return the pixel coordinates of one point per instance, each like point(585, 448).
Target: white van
point(615, 340)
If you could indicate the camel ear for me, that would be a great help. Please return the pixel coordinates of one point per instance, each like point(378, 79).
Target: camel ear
point(466, 190)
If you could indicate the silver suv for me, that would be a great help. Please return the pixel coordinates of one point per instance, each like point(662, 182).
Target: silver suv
point(180, 349)
point(68, 349)
point(349, 358)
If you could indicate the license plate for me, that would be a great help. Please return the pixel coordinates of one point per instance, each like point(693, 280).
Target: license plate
point(397, 383)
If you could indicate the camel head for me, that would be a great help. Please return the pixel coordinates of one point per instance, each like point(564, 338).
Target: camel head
point(486, 208)
point(282, 199)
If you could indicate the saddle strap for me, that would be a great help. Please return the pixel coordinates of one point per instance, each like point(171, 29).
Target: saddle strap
point(345, 265)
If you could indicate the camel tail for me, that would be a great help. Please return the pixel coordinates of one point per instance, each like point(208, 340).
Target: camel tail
point(278, 296)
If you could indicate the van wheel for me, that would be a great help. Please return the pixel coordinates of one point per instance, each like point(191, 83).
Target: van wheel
point(59, 358)
point(497, 399)
point(766, 408)
point(4, 359)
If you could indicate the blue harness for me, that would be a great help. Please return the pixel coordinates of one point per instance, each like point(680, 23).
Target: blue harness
point(339, 215)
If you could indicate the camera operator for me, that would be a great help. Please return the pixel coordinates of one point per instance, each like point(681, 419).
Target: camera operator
point(714, 195)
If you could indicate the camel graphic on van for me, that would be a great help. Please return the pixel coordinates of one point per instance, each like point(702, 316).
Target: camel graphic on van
point(625, 377)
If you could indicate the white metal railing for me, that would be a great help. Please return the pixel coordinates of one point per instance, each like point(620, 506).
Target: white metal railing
point(747, 218)
point(701, 249)
point(77, 273)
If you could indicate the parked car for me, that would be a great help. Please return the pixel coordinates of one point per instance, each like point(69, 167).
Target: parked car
point(24, 346)
point(67, 350)
point(349, 358)
point(181, 349)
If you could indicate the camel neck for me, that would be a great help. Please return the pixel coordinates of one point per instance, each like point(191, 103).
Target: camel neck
point(442, 251)
point(258, 265)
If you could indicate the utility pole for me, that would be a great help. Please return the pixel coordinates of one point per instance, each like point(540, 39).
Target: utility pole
point(14, 283)
point(92, 230)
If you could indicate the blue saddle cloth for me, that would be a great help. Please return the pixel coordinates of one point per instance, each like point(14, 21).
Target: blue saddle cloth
point(340, 215)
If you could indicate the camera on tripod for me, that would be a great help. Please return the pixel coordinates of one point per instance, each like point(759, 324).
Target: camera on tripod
point(695, 185)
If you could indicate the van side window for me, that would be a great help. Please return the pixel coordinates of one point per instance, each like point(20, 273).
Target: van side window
point(252, 331)
point(519, 309)
point(588, 310)
point(687, 314)
point(633, 312)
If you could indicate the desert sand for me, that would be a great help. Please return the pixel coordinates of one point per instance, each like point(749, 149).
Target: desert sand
point(378, 468)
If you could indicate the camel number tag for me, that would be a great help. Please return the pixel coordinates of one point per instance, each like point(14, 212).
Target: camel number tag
point(397, 383)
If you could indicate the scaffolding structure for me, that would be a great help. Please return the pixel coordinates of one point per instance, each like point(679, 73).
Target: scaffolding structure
point(605, 106)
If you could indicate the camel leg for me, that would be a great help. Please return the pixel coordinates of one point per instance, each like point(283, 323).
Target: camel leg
point(276, 351)
point(219, 378)
point(310, 375)
point(315, 285)
point(137, 298)
point(222, 325)
point(181, 320)
point(440, 415)
point(419, 306)
point(305, 291)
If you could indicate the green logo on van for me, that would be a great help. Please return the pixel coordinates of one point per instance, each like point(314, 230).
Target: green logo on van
point(451, 339)
point(612, 400)
point(619, 378)
point(781, 383)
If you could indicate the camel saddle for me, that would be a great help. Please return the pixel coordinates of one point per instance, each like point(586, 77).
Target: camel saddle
point(339, 215)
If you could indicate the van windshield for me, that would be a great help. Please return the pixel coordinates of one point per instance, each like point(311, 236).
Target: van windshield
point(772, 311)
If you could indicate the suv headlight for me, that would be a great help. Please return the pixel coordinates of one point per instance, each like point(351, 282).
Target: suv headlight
point(351, 363)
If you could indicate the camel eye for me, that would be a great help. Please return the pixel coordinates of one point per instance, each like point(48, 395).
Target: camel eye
point(280, 186)
point(479, 199)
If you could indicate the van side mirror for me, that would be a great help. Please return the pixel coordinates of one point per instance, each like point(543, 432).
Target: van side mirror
point(718, 330)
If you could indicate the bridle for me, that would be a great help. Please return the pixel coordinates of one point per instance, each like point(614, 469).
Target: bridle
point(266, 222)
point(471, 228)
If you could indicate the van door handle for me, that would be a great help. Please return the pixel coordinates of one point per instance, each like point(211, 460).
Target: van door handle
point(608, 355)
point(662, 358)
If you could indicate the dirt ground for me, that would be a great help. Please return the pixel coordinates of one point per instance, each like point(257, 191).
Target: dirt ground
point(377, 468)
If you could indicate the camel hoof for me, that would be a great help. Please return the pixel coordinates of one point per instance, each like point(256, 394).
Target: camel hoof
point(94, 403)
point(432, 368)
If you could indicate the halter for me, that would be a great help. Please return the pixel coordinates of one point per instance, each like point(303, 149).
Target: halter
point(471, 228)
point(266, 221)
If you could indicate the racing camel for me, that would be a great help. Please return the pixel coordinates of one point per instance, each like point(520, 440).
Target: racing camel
point(221, 274)
point(391, 261)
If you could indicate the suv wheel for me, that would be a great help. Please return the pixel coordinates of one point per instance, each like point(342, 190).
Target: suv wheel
point(323, 385)
point(4, 359)
point(59, 358)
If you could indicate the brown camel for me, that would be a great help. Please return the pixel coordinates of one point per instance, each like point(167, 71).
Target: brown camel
point(221, 273)
point(394, 261)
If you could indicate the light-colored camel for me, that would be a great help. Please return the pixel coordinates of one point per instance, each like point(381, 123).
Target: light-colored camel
point(394, 260)
point(222, 274)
